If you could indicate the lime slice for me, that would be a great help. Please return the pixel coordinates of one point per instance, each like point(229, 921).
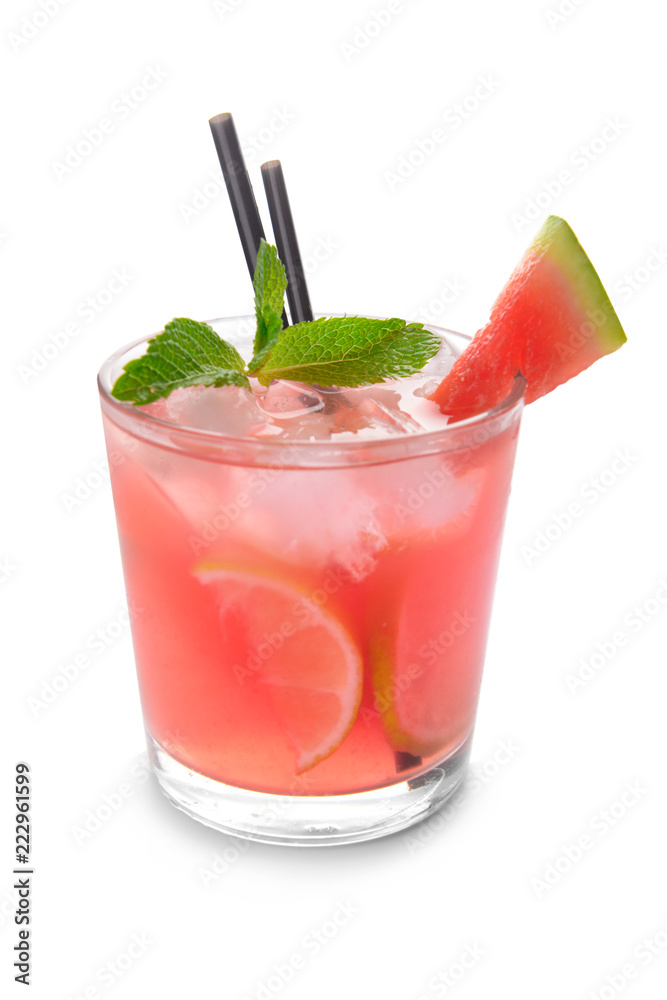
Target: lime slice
point(300, 654)
point(426, 649)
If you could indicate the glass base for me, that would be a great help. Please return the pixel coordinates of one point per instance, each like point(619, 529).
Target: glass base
point(308, 820)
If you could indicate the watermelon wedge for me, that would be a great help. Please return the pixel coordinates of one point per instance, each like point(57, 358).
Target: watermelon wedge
point(552, 319)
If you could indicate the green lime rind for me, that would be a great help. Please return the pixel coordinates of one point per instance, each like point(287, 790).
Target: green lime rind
point(386, 695)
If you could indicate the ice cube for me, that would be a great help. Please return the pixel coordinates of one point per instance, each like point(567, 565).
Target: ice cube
point(228, 409)
point(427, 494)
point(416, 389)
point(285, 400)
point(366, 412)
point(197, 488)
point(385, 414)
point(268, 430)
point(427, 388)
point(312, 518)
point(427, 380)
point(440, 363)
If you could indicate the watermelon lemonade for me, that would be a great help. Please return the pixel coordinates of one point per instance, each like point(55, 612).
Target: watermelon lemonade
point(310, 519)
point(315, 570)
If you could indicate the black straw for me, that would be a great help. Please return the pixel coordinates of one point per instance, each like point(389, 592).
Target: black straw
point(405, 761)
point(239, 187)
point(286, 241)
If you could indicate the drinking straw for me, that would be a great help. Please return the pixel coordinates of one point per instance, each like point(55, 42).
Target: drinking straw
point(286, 241)
point(239, 189)
point(405, 760)
point(238, 185)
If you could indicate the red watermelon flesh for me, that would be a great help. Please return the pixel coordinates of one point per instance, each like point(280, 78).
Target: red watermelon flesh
point(552, 319)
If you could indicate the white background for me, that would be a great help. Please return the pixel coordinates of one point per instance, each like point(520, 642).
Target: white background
point(351, 102)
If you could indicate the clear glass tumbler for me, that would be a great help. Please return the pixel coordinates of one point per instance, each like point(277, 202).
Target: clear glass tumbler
point(310, 617)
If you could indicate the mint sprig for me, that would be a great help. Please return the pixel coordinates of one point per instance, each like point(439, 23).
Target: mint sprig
point(270, 283)
point(349, 351)
point(186, 353)
point(343, 351)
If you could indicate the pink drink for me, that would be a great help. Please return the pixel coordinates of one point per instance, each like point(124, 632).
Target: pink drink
point(314, 588)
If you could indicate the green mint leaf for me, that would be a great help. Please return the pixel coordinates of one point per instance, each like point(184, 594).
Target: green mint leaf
point(269, 283)
point(349, 351)
point(186, 353)
point(259, 358)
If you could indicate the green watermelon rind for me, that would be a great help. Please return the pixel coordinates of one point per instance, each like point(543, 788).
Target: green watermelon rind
point(552, 320)
point(557, 241)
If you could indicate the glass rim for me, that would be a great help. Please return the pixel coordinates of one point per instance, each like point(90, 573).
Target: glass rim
point(175, 437)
